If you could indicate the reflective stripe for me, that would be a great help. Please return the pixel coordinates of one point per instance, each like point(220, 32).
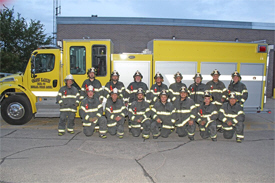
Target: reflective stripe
point(239, 136)
point(208, 115)
point(224, 120)
point(164, 113)
point(102, 131)
point(87, 117)
point(68, 110)
point(183, 123)
point(87, 124)
point(135, 126)
point(202, 129)
point(167, 127)
point(227, 128)
point(69, 96)
point(197, 92)
point(111, 124)
point(216, 91)
point(120, 133)
point(61, 130)
point(183, 111)
point(217, 103)
point(90, 110)
point(235, 121)
point(70, 130)
point(191, 134)
point(231, 115)
point(60, 101)
point(213, 137)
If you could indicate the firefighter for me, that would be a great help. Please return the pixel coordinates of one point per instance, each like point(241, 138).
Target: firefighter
point(238, 88)
point(156, 89)
point(134, 86)
point(196, 90)
point(114, 83)
point(218, 93)
point(94, 82)
point(68, 99)
point(163, 116)
point(115, 112)
point(185, 114)
point(131, 91)
point(174, 89)
point(90, 112)
point(139, 115)
point(232, 116)
point(207, 117)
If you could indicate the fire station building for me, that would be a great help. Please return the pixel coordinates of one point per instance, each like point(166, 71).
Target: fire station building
point(131, 35)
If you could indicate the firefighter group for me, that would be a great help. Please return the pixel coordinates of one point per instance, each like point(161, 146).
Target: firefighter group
point(158, 111)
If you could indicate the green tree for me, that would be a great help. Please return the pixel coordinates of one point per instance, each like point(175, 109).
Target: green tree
point(18, 39)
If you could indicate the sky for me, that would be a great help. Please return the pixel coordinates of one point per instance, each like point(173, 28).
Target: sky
point(229, 10)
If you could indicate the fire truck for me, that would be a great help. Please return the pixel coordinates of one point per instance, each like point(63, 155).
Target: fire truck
point(33, 93)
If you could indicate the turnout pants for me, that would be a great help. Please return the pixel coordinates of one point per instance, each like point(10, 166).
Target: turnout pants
point(230, 130)
point(116, 127)
point(136, 128)
point(209, 131)
point(64, 116)
point(162, 129)
point(88, 129)
point(186, 129)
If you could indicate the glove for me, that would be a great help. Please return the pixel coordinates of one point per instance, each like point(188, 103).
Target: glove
point(92, 119)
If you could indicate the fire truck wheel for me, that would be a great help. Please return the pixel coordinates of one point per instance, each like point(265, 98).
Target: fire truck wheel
point(16, 110)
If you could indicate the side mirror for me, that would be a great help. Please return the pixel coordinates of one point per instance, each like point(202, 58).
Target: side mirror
point(33, 75)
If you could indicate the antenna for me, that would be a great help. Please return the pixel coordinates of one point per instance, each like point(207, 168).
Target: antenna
point(56, 12)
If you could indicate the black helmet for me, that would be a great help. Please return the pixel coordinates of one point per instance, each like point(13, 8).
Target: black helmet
point(137, 73)
point(115, 73)
point(197, 75)
point(178, 74)
point(91, 70)
point(215, 72)
point(183, 89)
point(140, 91)
point(158, 75)
point(232, 95)
point(163, 92)
point(236, 73)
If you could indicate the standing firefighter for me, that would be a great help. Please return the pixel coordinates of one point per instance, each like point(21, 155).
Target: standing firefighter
point(196, 90)
point(94, 82)
point(232, 116)
point(139, 115)
point(115, 113)
point(174, 89)
point(91, 113)
point(114, 83)
point(208, 114)
point(68, 99)
point(218, 92)
point(185, 115)
point(163, 113)
point(156, 89)
point(133, 87)
point(238, 88)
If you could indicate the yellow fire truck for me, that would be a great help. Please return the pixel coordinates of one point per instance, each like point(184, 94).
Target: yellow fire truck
point(33, 93)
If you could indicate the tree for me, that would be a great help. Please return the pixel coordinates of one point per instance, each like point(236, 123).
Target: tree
point(18, 39)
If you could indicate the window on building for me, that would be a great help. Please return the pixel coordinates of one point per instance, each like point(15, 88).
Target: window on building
point(99, 59)
point(44, 63)
point(77, 60)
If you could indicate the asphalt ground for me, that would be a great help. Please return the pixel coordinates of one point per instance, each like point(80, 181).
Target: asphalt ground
point(35, 153)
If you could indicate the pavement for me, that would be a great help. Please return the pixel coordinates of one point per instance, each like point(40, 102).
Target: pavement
point(34, 153)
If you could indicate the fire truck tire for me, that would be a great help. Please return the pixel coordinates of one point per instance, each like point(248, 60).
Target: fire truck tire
point(16, 110)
